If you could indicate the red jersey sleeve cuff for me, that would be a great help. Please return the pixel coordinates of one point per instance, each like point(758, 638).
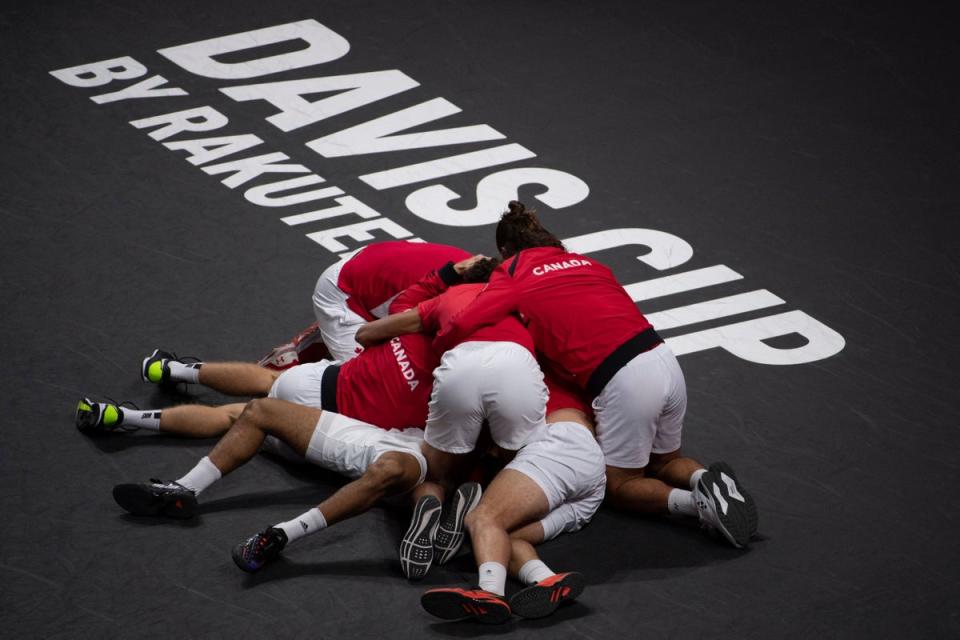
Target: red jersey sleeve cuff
point(448, 274)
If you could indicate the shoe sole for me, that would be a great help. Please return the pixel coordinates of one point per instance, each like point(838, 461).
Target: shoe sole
point(537, 601)
point(453, 605)
point(88, 415)
point(450, 533)
point(416, 548)
point(734, 524)
point(750, 504)
point(138, 500)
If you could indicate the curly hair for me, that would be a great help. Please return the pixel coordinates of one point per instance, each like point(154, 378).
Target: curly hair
point(519, 229)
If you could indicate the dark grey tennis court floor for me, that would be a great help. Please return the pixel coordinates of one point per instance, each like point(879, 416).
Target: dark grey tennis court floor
point(810, 148)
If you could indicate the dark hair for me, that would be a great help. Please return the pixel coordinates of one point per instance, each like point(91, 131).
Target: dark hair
point(480, 270)
point(520, 229)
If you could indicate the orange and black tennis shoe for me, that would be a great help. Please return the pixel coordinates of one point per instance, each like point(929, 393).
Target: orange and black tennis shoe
point(466, 604)
point(543, 598)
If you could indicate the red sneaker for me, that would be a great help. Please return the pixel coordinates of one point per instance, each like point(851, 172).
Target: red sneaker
point(461, 604)
point(542, 599)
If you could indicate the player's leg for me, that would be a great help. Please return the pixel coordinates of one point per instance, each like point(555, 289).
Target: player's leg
point(639, 425)
point(290, 423)
point(674, 469)
point(188, 420)
point(237, 378)
point(454, 422)
point(393, 473)
point(511, 500)
point(545, 589)
point(569, 468)
point(232, 378)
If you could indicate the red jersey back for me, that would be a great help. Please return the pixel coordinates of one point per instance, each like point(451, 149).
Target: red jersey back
point(574, 308)
point(382, 270)
point(389, 385)
point(436, 313)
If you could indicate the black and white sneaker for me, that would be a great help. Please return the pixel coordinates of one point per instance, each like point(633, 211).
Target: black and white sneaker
point(416, 548)
point(94, 417)
point(450, 533)
point(723, 507)
point(156, 498)
point(723, 469)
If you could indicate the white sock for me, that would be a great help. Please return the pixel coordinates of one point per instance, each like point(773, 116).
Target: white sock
point(201, 476)
point(695, 478)
point(180, 372)
point(304, 524)
point(493, 578)
point(144, 419)
point(533, 571)
point(680, 502)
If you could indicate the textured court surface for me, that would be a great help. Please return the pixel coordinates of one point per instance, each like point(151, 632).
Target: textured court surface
point(810, 148)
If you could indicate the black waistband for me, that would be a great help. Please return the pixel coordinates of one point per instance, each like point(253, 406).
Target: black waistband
point(643, 341)
point(328, 388)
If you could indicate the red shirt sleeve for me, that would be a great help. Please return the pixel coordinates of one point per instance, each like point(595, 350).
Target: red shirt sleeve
point(428, 315)
point(429, 286)
point(498, 300)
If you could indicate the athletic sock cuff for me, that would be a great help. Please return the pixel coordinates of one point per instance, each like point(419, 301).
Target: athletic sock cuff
point(306, 523)
point(534, 571)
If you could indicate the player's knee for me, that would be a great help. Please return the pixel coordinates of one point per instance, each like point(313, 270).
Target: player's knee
point(479, 519)
point(254, 413)
point(388, 472)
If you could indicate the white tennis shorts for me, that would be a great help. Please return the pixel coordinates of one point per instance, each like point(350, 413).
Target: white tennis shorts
point(349, 446)
point(641, 409)
point(338, 323)
point(499, 382)
point(301, 384)
point(568, 466)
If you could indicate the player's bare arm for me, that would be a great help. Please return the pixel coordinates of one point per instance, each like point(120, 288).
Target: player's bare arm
point(385, 328)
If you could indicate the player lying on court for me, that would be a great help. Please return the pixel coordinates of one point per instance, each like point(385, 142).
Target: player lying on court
point(385, 387)
point(308, 432)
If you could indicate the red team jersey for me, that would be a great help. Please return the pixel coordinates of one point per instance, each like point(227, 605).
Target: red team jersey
point(576, 311)
point(389, 385)
point(382, 270)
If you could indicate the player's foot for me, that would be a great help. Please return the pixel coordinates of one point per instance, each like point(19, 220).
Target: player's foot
point(542, 599)
point(259, 549)
point(100, 417)
point(416, 548)
point(463, 604)
point(156, 498)
point(722, 507)
point(721, 469)
point(156, 367)
point(450, 532)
